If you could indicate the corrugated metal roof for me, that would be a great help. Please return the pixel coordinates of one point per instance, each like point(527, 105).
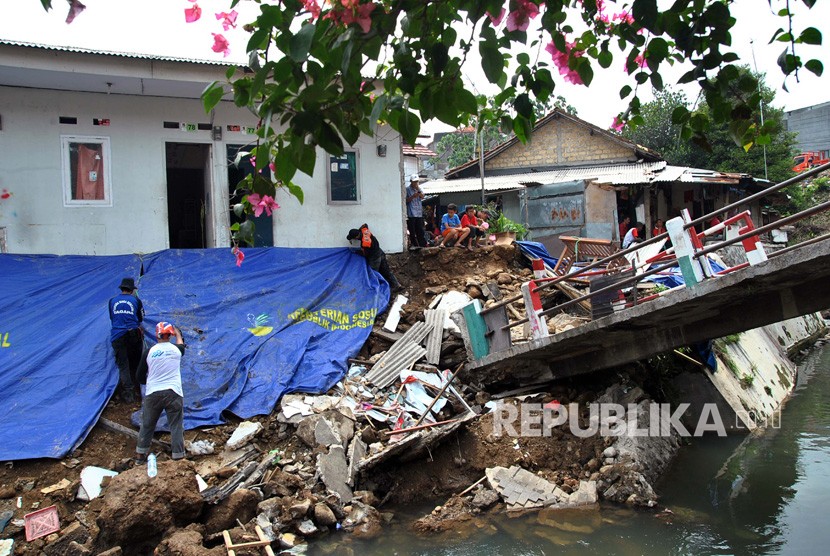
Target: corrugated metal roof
point(114, 53)
point(613, 174)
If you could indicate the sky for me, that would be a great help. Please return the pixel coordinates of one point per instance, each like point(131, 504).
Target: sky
point(158, 27)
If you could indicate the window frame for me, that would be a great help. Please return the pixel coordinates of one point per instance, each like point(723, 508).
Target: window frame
point(331, 160)
point(66, 170)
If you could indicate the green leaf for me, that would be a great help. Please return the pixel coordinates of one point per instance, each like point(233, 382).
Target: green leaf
point(625, 91)
point(230, 72)
point(679, 115)
point(523, 59)
point(810, 35)
point(466, 101)
point(246, 232)
point(492, 61)
point(239, 210)
point(259, 40)
point(409, 126)
point(439, 56)
point(645, 12)
point(815, 66)
point(522, 128)
point(657, 81)
point(211, 96)
point(300, 42)
point(605, 58)
point(295, 190)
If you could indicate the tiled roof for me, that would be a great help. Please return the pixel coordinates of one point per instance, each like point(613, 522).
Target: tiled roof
point(417, 150)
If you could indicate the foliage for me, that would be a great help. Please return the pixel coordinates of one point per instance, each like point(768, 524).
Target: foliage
point(504, 224)
point(659, 132)
point(322, 73)
point(800, 196)
point(460, 147)
point(747, 380)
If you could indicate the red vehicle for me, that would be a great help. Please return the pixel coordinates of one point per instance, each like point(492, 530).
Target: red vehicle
point(809, 159)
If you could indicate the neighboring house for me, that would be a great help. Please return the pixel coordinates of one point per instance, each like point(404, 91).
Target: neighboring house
point(110, 153)
point(575, 178)
point(415, 159)
point(813, 127)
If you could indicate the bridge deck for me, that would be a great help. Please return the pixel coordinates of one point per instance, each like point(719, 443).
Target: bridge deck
point(793, 284)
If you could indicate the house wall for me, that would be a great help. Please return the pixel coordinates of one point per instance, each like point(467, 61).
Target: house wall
point(560, 143)
point(600, 211)
point(813, 127)
point(36, 220)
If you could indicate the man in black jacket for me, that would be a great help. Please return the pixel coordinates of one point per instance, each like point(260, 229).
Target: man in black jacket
point(375, 257)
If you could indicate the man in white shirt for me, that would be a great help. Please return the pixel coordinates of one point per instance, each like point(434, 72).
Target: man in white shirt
point(162, 368)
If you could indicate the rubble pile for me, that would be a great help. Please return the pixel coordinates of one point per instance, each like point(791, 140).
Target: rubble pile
point(402, 425)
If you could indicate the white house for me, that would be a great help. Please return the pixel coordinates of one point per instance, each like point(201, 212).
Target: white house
point(111, 153)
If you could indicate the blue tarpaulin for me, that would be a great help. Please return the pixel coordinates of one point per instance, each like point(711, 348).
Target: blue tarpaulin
point(286, 320)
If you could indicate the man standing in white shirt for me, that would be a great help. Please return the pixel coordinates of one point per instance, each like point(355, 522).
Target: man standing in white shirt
point(162, 368)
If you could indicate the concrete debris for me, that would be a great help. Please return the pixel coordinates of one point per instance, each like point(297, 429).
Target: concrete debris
point(200, 447)
point(521, 489)
point(91, 478)
point(244, 433)
point(334, 472)
point(485, 498)
point(6, 547)
point(307, 528)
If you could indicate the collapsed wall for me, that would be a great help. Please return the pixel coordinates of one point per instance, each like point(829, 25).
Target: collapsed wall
point(755, 373)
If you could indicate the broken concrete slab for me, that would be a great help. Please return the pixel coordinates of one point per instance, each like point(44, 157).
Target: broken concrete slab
point(585, 495)
point(91, 478)
point(326, 433)
point(522, 489)
point(334, 472)
point(357, 451)
point(307, 429)
point(244, 433)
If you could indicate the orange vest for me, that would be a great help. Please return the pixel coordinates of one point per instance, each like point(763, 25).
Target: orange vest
point(365, 238)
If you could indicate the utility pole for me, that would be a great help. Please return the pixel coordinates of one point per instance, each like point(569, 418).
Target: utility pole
point(760, 101)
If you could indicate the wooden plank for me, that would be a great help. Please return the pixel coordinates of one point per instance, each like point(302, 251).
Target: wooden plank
point(495, 321)
point(132, 433)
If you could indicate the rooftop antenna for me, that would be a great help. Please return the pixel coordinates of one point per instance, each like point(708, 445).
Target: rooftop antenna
point(760, 101)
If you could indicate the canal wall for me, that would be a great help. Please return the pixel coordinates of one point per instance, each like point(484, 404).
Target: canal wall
point(755, 374)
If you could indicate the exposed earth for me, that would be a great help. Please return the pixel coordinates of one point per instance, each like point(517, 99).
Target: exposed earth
point(166, 515)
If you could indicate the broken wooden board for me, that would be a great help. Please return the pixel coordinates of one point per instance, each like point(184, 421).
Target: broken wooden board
point(113, 426)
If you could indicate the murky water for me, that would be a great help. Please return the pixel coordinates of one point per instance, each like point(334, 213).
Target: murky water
point(763, 494)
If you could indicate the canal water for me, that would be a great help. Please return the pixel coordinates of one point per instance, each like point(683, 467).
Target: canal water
point(762, 494)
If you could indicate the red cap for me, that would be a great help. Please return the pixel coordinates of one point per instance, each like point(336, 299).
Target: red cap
point(163, 328)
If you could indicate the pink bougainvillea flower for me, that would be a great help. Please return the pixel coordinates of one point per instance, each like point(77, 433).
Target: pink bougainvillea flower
point(273, 168)
point(228, 19)
point(362, 15)
point(624, 16)
point(220, 44)
point(349, 4)
point(240, 256)
point(519, 19)
point(193, 13)
point(560, 60)
point(618, 124)
point(312, 7)
point(262, 203)
point(639, 60)
point(496, 21)
point(75, 8)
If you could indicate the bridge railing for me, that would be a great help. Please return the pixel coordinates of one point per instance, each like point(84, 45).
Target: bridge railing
point(488, 329)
